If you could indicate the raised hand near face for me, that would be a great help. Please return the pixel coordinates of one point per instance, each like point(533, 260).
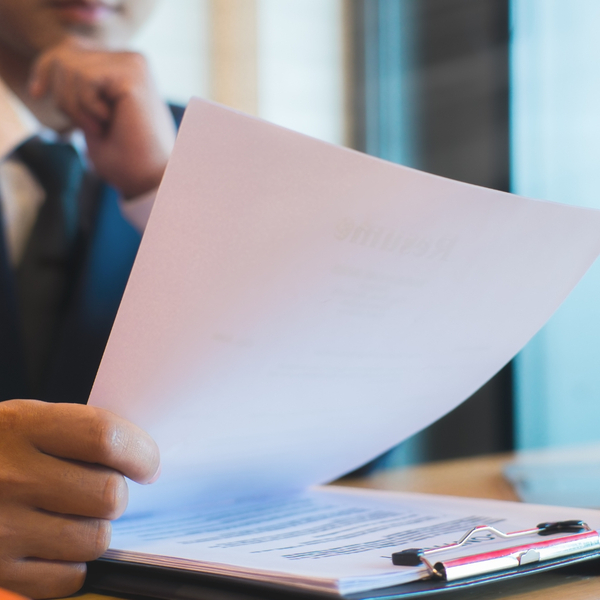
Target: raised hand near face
point(112, 98)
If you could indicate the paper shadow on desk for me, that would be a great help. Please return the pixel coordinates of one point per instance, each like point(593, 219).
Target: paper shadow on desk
point(168, 584)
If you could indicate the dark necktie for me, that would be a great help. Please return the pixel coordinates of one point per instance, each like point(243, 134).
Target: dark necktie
point(42, 276)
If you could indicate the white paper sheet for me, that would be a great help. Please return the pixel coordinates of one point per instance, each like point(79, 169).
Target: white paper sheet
point(334, 539)
point(297, 308)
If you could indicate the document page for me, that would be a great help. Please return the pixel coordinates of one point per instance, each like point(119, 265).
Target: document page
point(297, 308)
point(335, 539)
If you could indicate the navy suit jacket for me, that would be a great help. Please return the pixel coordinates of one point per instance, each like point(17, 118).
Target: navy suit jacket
point(104, 263)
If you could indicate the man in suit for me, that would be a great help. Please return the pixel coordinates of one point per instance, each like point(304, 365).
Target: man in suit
point(66, 83)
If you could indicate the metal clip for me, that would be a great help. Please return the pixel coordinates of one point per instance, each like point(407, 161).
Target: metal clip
point(580, 538)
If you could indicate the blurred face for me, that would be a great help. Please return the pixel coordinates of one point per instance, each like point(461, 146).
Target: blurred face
point(29, 26)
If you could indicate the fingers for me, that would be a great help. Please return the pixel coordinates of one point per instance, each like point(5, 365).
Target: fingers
point(76, 90)
point(91, 99)
point(75, 489)
point(111, 97)
point(91, 435)
point(84, 82)
point(71, 92)
point(66, 538)
point(62, 471)
point(42, 579)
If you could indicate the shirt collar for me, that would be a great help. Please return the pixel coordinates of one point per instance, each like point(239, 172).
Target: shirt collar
point(18, 123)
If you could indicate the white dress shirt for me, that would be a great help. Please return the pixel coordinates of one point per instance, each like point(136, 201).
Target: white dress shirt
point(20, 194)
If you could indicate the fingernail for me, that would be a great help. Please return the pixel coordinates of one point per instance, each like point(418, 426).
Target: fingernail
point(156, 475)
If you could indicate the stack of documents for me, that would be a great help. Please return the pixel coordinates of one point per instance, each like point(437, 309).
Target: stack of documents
point(335, 540)
point(297, 309)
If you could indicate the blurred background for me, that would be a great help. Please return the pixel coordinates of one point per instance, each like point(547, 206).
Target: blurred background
point(499, 93)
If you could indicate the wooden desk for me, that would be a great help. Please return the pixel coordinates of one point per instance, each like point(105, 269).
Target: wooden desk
point(479, 477)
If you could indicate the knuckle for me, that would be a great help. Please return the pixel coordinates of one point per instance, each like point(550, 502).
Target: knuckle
point(12, 414)
point(69, 580)
point(74, 582)
point(14, 482)
point(100, 538)
point(8, 416)
point(107, 438)
point(135, 70)
point(24, 577)
point(17, 420)
point(65, 103)
point(51, 63)
point(136, 60)
point(7, 566)
point(114, 496)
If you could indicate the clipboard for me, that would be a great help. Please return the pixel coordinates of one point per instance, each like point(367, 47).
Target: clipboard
point(529, 554)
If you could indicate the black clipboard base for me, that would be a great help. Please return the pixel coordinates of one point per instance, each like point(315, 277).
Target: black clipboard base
point(157, 583)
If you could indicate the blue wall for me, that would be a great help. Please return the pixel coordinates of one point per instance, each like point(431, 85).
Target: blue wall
point(555, 145)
